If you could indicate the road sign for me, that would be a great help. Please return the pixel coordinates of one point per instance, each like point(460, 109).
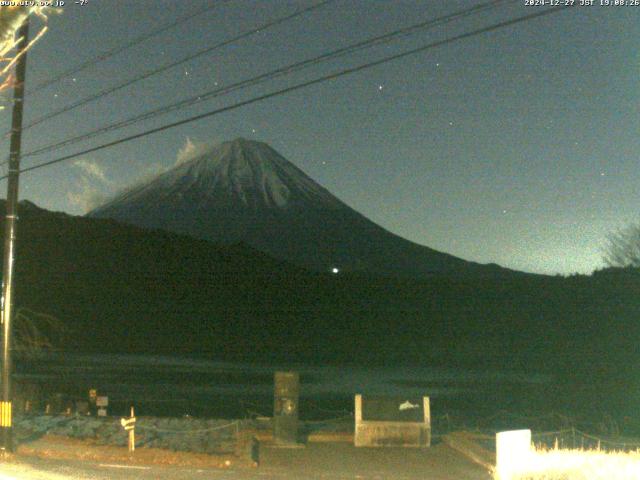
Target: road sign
point(128, 423)
point(392, 421)
point(392, 409)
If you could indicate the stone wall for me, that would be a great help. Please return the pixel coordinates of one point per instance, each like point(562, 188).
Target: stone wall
point(212, 436)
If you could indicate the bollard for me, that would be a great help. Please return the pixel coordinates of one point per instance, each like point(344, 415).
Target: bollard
point(247, 446)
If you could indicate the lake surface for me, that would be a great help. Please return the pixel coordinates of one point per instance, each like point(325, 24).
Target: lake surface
point(176, 386)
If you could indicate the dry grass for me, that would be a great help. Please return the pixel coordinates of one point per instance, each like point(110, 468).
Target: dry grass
point(556, 464)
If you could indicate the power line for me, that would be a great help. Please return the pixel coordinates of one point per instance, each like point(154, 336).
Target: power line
point(286, 70)
point(164, 68)
point(119, 49)
point(302, 85)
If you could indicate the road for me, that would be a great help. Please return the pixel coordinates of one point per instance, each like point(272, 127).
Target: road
point(41, 469)
point(321, 462)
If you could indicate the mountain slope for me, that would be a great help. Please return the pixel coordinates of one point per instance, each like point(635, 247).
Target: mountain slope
point(121, 288)
point(245, 191)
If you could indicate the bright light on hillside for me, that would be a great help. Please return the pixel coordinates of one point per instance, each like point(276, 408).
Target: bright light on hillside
point(335, 270)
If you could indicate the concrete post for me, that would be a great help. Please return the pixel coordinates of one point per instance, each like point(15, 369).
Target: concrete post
point(285, 407)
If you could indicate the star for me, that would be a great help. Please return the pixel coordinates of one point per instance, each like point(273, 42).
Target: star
point(380, 87)
point(253, 130)
point(186, 72)
point(437, 64)
point(451, 124)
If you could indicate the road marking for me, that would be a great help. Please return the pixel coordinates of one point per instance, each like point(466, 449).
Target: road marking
point(135, 467)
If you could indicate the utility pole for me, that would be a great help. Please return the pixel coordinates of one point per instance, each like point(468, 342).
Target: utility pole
point(10, 238)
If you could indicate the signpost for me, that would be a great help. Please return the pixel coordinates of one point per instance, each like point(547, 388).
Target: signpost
point(129, 425)
point(392, 421)
point(102, 403)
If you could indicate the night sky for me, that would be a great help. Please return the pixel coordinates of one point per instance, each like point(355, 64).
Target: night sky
point(518, 146)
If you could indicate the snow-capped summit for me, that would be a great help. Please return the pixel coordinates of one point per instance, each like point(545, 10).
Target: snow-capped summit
point(245, 191)
point(238, 173)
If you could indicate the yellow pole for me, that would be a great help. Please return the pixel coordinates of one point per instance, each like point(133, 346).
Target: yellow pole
point(132, 435)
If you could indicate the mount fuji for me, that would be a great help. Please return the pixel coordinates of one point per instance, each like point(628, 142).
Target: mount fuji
point(245, 191)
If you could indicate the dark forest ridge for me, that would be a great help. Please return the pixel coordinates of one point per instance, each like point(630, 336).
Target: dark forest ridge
point(120, 288)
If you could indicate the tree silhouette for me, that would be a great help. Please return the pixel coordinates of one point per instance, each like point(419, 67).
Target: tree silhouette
point(37, 332)
point(623, 247)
